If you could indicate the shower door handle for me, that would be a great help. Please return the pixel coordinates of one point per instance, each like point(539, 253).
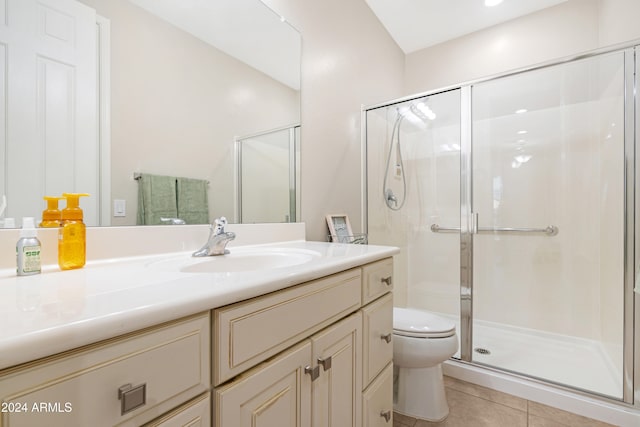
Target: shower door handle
point(474, 223)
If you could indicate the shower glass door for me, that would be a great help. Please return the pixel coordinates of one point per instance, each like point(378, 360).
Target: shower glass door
point(268, 176)
point(547, 223)
point(413, 175)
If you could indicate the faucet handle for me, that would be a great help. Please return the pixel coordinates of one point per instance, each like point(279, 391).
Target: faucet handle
point(219, 225)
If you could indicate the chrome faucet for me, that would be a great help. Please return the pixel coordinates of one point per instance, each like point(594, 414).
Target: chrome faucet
point(217, 240)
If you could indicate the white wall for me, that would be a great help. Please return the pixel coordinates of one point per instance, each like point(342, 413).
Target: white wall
point(348, 60)
point(570, 28)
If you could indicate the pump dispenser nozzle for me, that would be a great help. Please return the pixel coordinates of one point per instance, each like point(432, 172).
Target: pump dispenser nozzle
point(52, 215)
point(72, 211)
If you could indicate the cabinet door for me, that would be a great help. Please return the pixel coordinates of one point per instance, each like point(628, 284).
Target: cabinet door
point(336, 391)
point(274, 394)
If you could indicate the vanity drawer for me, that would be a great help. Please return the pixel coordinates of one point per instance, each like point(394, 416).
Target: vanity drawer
point(196, 413)
point(251, 331)
point(377, 279)
point(165, 365)
point(377, 400)
point(378, 333)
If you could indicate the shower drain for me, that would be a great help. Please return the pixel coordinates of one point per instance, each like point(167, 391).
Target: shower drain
point(481, 350)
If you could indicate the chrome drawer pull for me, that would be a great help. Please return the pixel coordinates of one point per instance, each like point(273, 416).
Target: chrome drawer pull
point(386, 337)
point(388, 280)
point(314, 372)
point(386, 415)
point(132, 398)
point(326, 363)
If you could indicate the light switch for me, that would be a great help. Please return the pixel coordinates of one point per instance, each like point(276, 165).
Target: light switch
point(119, 207)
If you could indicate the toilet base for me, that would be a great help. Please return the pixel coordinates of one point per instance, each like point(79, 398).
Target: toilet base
point(420, 394)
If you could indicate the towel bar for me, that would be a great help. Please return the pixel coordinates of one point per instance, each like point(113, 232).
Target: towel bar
point(138, 175)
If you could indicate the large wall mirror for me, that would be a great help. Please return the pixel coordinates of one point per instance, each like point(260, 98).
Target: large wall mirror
point(98, 92)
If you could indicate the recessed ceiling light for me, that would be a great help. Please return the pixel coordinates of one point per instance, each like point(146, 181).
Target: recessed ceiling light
point(522, 132)
point(491, 3)
point(521, 111)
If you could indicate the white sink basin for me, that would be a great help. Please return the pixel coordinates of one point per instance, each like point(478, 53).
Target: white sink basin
point(238, 260)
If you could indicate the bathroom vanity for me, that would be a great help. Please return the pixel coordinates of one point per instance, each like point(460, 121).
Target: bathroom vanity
point(301, 336)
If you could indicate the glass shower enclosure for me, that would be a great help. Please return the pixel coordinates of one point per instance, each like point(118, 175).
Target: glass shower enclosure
point(512, 201)
point(267, 182)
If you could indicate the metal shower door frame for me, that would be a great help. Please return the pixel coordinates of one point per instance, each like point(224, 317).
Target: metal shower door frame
point(468, 219)
point(631, 316)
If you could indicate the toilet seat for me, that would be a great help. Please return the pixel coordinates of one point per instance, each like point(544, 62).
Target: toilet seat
point(410, 322)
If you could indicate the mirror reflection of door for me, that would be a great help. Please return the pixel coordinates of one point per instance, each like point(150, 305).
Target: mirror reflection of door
point(50, 119)
point(267, 176)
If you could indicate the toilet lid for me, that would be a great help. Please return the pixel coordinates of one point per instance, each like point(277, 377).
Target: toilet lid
point(411, 322)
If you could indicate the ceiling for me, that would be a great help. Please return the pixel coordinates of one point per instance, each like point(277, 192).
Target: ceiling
point(245, 29)
point(417, 24)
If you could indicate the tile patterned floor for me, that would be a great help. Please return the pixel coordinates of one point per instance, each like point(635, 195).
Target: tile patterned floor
point(474, 406)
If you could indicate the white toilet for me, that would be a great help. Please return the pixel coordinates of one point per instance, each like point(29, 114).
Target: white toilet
point(421, 342)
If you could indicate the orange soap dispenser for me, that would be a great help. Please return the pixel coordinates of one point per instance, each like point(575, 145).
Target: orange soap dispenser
point(72, 234)
point(51, 216)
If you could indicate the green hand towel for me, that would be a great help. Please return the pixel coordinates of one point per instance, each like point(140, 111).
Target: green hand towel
point(156, 199)
point(193, 202)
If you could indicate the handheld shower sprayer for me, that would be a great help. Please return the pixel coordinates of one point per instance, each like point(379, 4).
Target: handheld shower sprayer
point(390, 199)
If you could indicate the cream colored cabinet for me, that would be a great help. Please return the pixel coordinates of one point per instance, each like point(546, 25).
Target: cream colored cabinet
point(316, 383)
point(378, 400)
point(377, 367)
point(249, 332)
point(277, 393)
point(195, 413)
point(312, 355)
point(125, 381)
point(378, 337)
point(334, 366)
point(336, 390)
point(377, 279)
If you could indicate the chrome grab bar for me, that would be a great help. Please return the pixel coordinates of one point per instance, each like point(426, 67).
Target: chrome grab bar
point(551, 230)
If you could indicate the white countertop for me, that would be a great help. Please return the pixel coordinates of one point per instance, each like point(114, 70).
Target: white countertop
point(60, 310)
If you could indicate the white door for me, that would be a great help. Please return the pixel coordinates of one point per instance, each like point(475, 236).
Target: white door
point(48, 136)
